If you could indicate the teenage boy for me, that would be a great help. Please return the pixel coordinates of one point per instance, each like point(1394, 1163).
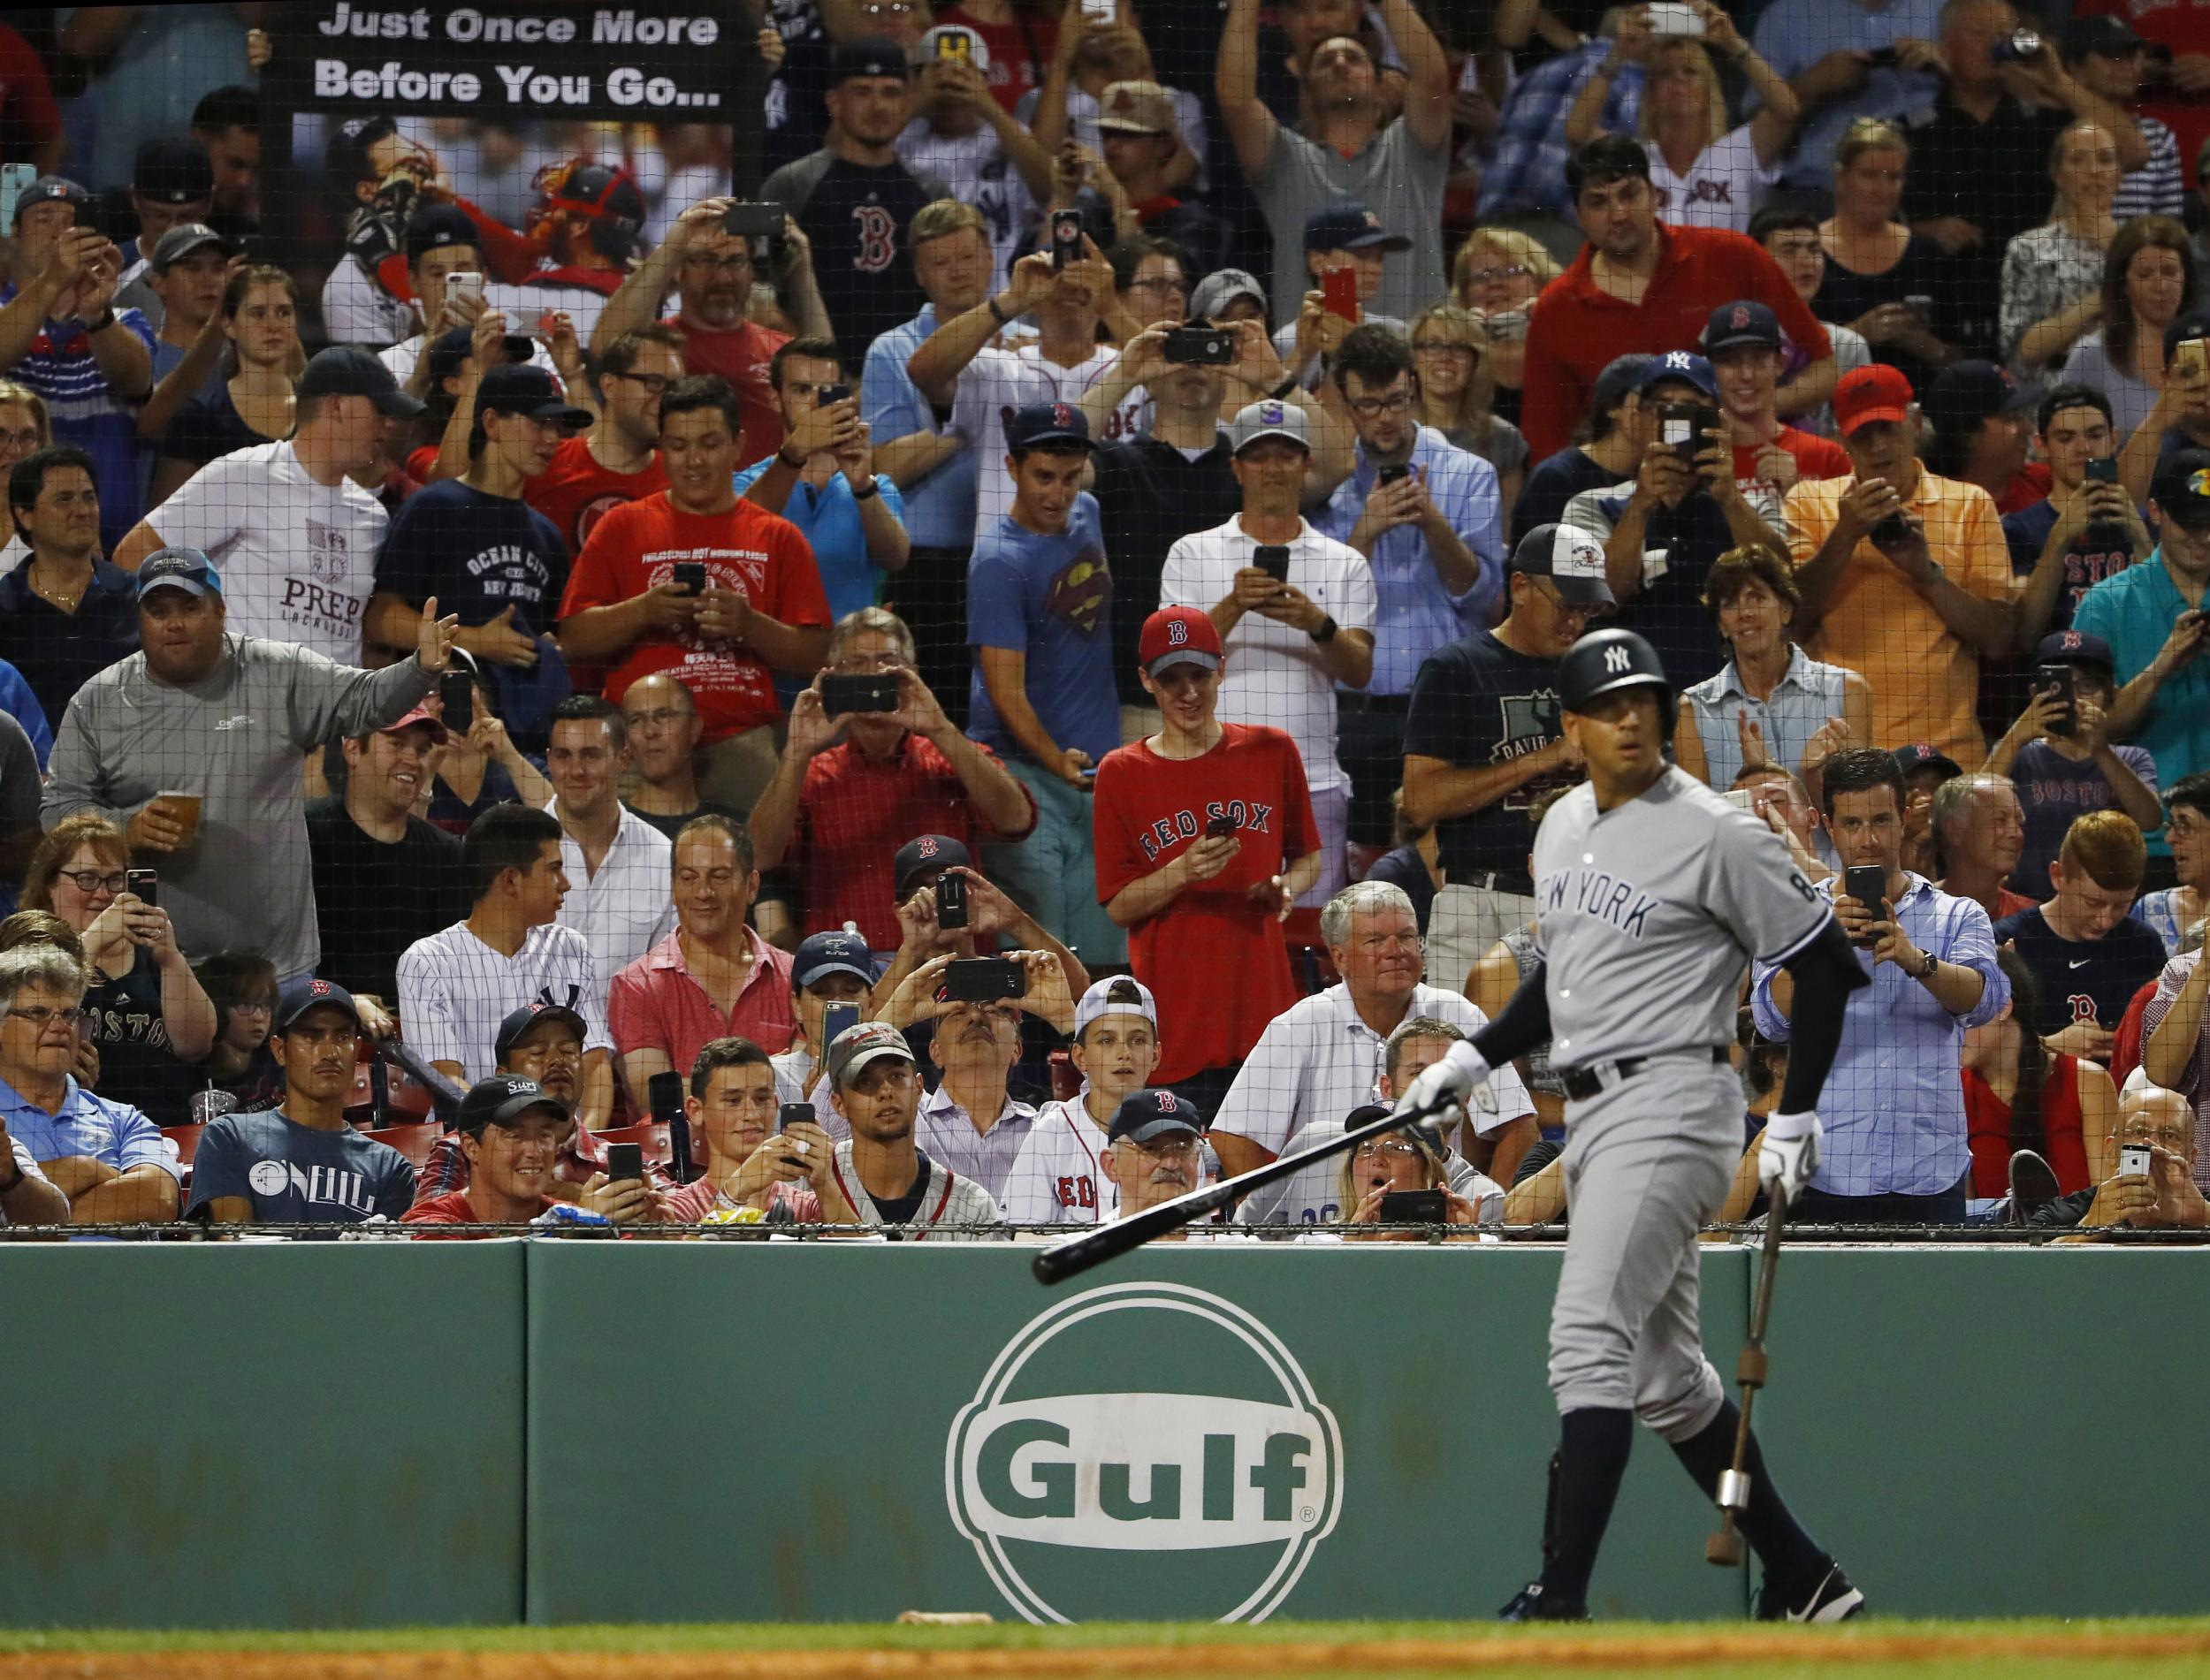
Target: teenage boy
point(1058, 1178)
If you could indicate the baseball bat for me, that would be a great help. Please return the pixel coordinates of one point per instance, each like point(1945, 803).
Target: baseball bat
point(444, 1095)
point(1102, 1242)
point(1725, 1548)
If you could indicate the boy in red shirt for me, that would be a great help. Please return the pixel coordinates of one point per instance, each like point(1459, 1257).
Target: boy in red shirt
point(510, 1129)
point(618, 460)
point(634, 605)
point(1743, 344)
point(1204, 837)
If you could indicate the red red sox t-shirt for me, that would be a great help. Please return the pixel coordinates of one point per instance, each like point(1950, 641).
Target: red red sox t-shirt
point(576, 492)
point(1214, 960)
point(635, 548)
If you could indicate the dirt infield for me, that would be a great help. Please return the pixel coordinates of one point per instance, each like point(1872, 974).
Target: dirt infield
point(1690, 1648)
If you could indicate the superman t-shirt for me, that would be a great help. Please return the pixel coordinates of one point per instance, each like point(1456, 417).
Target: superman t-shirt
point(1050, 599)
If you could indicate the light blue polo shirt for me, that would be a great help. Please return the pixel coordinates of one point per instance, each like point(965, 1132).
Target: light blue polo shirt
point(941, 507)
point(828, 518)
point(2133, 612)
point(113, 1134)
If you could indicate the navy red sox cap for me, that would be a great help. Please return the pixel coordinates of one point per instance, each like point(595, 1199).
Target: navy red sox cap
point(297, 997)
point(1145, 1114)
point(1047, 422)
point(1745, 322)
point(925, 855)
point(1923, 755)
point(2077, 647)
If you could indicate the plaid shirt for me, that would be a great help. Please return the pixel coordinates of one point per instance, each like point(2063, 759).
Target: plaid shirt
point(1529, 170)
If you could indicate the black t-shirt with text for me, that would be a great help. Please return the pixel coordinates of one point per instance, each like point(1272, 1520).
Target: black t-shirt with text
point(856, 216)
point(375, 898)
point(1477, 704)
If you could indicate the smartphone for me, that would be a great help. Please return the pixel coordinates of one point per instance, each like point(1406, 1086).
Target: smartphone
point(955, 44)
point(624, 1160)
point(2065, 679)
point(1338, 291)
point(1686, 429)
point(13, 178)
point(1891, 531)
point(795, 1114)
point(1671, 18)
point(665, 1094)
point(843, 692)
point(143, 884)
point(467, 283)
point(828, 394)
point(1273, 560)
point(1413, 1208)
point(1867, 883)
point(2136, 1160)
point(752, 221)
point(1066, 238)
point(1100, 13)
point(982, 980)
point(691, 576)
point(951, 900)
point(1200, 346)
point(457, 690)
point(2192, 357)
point(2102, 470)
point(1390, 475)
point(1219, 827)
point(1920, 303)
point(1508, 326)
point(838, 1018)
point(1742, 799)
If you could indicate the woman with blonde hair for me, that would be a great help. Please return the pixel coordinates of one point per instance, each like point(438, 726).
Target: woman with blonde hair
point(1498, 274)
point(1450, 353)
point(2052, 275)
point(1883, 280)
point(1701, 173)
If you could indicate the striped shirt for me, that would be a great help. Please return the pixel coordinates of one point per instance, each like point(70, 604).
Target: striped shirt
point(2159, 187)
point(2194, 1080)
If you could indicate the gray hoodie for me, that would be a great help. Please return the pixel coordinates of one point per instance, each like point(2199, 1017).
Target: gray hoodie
point(236, 738)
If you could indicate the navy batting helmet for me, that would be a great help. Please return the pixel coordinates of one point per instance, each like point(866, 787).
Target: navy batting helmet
point(1606, 660)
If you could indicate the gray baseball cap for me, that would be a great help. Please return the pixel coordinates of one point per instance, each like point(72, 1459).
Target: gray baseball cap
point(1222, 288)
point(1269, 418)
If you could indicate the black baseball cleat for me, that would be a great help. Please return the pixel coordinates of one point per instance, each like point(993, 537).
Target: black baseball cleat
point(1529, 1604)
point(2033, 1186)
point(1832, 1599)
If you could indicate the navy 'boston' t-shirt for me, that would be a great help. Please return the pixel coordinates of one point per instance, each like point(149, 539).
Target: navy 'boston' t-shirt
point(297, 1174)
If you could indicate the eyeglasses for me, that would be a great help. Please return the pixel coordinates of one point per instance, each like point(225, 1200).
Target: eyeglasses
point(256, 1007)
point(654, 384)
point(1374, 407)
point(2187, 823)
point(1386, 1147)
point(1490, 277)
point(90, 881)
point(728, 264)
point(43, 1016)
point(1442, 347)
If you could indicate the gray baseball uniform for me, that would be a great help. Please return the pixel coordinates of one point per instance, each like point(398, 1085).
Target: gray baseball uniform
point(1647, 916)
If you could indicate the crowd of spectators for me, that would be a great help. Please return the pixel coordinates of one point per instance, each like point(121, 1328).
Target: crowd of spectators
point(999, 658)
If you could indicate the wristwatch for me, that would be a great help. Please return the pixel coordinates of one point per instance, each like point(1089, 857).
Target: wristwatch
point(1325, 633)
point(1932, 962)
point(873, 489)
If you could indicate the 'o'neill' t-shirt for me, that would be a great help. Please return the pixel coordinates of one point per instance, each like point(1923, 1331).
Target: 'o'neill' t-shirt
point(1050, 599)
point(297, 1174)
point(297, 559)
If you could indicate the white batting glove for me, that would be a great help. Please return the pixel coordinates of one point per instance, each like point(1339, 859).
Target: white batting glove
point(1455, 1078)
point(1788, 1154)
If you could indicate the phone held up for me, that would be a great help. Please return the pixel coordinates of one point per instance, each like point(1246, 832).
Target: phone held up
point(951, 901)
point(838, 1018)
point(864, 691)
point(456, 694)
point(1066, 238)
point(1867, 883)
point(142, 885)
point(2064, 681)
point(1338, 292)
point(982, 980)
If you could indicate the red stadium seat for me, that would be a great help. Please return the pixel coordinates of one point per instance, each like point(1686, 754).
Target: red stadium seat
point(413, 1142)
point(183, 1142)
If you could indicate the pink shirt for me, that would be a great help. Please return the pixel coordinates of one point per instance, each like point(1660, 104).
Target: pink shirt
point(699, 1198)
point(655, 1004)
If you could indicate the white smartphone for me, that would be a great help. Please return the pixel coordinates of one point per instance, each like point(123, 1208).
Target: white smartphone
point(2134, 1161)
point(1101, 13)
point(1671, 18)
point(13, 178)
point(467, 283)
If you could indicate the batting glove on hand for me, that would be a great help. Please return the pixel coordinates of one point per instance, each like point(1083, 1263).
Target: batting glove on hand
point(1453, 1079)
point(1788, 1154)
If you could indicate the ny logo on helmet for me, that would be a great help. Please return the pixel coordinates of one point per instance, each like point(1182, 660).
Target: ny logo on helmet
point(1616, 659)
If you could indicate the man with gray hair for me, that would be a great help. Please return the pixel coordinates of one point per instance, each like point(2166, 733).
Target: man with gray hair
point(1979, 829)
point(102, 1162)
point(1325, 1056)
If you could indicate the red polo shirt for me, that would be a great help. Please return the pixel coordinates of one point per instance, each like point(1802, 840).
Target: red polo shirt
point(453, 1209)
point(1577, 327)
point(853, 815)
point(655, 1004)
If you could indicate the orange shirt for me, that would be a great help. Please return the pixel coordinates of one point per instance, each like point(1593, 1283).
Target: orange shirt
point(1924, 680)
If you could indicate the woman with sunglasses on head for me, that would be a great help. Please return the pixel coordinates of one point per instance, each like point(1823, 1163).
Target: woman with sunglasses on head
point(1497, 273)
point(1450, 353)
point(144, 1010)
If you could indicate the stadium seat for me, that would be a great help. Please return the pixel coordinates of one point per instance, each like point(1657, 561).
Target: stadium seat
point(413, 1142)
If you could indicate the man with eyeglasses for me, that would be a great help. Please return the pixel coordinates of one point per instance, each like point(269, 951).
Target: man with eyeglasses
point(1332, 1052)
point(618, 460)
point(105, 1157)
point(302, 1162)
point(852, 788)
point(476, 544)
point(1483, 739)
point(1343, 236)
point(712, 272)
point(822, 478)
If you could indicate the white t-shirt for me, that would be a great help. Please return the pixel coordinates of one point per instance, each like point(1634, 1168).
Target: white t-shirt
point(454, 989)
point(357, 310)
point(980, 173)
point(297, 559)
point(1721, 188)
point(996, 382)
point(1058, 1178)
point(1275, 673)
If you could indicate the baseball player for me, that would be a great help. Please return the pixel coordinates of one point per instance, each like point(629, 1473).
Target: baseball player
point(1652, 895)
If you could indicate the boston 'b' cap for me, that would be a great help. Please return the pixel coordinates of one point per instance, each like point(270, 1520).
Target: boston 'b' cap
point(349, 370)
point(2077, 647)
point(520, 1020)
point(1350, 226)
point(1137, 108)
point(520, 388)
point(2180, 487)
point(1047, 422)
point(821, 954)
point(1145, 1114)
point(1604, 661)
point(1966, 392)
point(1268, 418)
point(1178, 635)
point(923, 853)
point(1745, 322)
point(297, 997)
point(1571, 558)
point(502, 1099)
point(855, 1047)
point(177, 569)
point(1923, 755)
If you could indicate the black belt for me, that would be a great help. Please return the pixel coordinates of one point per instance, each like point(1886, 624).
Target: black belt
point(1597, 1077)
point(1396, 704)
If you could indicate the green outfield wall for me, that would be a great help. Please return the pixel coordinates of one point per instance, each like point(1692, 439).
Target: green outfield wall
point(366, 1434)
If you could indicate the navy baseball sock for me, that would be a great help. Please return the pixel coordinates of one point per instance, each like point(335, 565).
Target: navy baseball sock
point(1791, 1557)
point(1593, 1442)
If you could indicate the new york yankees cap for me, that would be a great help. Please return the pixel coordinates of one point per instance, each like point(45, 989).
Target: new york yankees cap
point(925, 854)
point(297, 997)
point(1268, 418)
point(1683, 365)
point(1145, 1114)
point(1571, 558)
point(1178, 635)
point(520, 1020)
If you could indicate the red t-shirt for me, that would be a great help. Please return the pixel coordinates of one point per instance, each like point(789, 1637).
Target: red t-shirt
point(27, 98)
point(451, 1209)
point(853, 815)
point(1987, 1118)
point(1577, 327)
point(1020, 49)
point(1215, 961)
point(741, 356)
point(635, 547)
point(2032, 485)
point(574, 492)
